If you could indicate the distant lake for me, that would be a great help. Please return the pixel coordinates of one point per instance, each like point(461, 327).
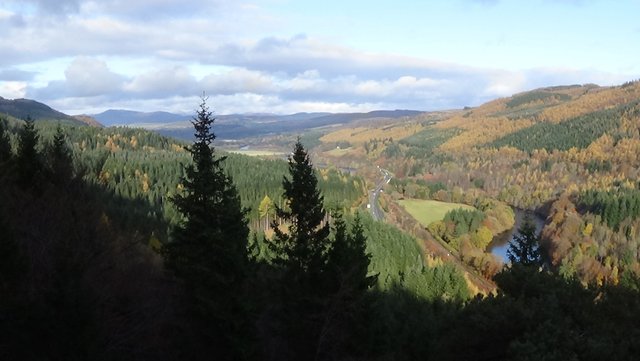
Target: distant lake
point(500, 243)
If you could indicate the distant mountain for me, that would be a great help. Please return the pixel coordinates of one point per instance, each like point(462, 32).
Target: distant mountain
point(128, 117)
point(237, 126)
point(23, 108)
point(89, 120)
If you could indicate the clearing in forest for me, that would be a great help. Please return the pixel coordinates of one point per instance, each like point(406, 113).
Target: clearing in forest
point(427, 211)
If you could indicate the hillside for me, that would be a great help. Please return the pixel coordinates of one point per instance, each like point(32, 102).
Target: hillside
point(569, 153)
point(126, 117)
point(82, 246)
point(23, 108)
point(91, 242)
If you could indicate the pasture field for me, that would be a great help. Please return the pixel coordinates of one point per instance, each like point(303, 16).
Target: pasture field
point(257, 152)
point(427, 211)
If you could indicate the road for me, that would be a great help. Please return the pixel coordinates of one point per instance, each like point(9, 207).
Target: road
point(374, 195)
point(432, 246)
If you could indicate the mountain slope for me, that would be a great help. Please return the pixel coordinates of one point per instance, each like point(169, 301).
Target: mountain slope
point(501, 117)
point(23, 108)
point(126, 117)
point(239, 126)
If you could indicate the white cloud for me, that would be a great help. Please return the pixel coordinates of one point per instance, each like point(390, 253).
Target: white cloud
point(190, 47)
point(163, 83)
point(91, 77)
point(239, 80)
point(13, 89)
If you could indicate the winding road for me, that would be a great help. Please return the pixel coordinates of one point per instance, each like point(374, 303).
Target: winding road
point(374, 196)
point(432, 246)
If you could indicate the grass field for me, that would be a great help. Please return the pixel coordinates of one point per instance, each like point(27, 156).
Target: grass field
point(427, 211)
point(257, 153)
point(339, 152)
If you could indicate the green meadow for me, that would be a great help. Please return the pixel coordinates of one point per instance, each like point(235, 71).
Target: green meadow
point(427, 211)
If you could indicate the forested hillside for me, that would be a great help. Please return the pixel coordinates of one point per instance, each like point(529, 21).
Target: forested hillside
point(77, 200)
point(578, 143)
point(122, 244)
point(145, 168)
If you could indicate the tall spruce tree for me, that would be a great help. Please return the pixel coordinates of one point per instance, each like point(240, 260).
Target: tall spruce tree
point(348, 259)
point(301, 257)
point(524, 248)
point(28, 160)
point(5, 144)
point(208, 250)
point(60, 161)
point(302, 251)
point(347, 282)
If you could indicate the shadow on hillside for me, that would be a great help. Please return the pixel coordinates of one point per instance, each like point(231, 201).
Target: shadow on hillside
point(77, 277)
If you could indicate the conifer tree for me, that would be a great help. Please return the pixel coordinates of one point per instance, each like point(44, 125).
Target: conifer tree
point(29, 164)
point(60, 161)
point(5, 145)
point(301, 256)
point(348, 259)
point(524, 249)
point(209, 248)
point(347, 283)
point(303, 249)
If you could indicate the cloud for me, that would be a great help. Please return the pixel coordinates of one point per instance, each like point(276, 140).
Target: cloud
point(239, 81)
point(48, 7)
point(13, 89)
point(90, 77)
point(13, 74)
point(152, 10)
point(84, 77)
point(165, 82)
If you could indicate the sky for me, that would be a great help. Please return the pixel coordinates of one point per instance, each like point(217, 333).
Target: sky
point(288, 56)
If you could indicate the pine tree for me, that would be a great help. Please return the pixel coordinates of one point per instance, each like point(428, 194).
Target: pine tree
point(5, 145)
point(29, 164)
point(524, 248)
point(60, 161)
point(301, 257)
point(303, 249)
point(347, 284)
point(348, 259)
point(209, 248)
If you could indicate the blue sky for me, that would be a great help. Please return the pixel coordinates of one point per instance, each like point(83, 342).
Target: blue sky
point(286, 56)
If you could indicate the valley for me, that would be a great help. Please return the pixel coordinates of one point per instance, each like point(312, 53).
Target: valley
point(327, 181)
point(439, 196)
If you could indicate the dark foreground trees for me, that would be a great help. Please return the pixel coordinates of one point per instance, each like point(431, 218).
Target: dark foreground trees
point(208, 251)
point(29, 161)
point(76, 284)
point(73, 286)
point(321, 279)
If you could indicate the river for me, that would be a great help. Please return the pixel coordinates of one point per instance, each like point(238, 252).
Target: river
point(500, 243)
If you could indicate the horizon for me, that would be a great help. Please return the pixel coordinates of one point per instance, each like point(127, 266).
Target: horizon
point(285, 57)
